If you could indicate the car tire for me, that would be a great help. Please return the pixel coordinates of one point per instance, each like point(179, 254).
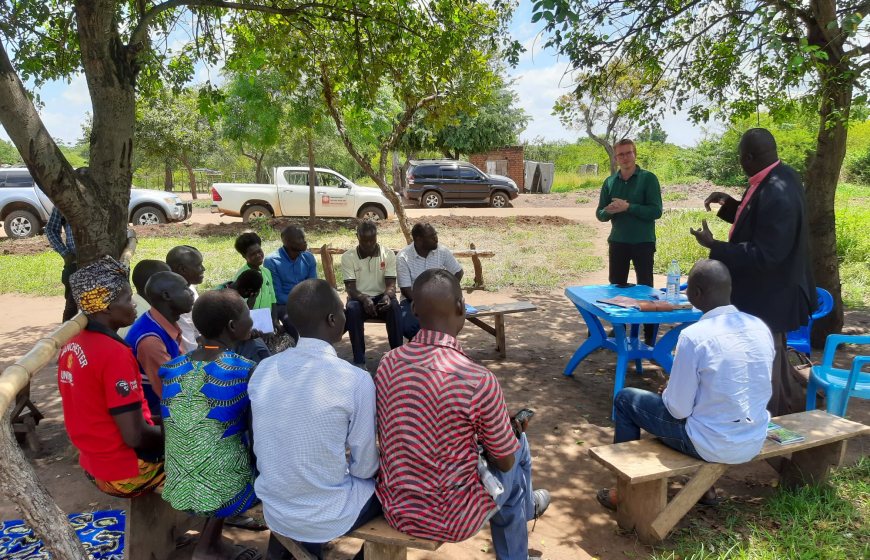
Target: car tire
point(370, 212)
point(431, 199)
point(21, 223)
point(148, 216)
point(256, 211)
point(499, 200)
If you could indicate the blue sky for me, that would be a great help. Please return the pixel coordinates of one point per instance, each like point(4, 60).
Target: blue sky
point(538, 81)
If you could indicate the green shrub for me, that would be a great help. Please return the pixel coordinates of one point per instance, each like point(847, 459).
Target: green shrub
point(857, 166)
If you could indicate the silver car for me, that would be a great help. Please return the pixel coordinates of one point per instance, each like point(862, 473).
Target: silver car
point(24, 208)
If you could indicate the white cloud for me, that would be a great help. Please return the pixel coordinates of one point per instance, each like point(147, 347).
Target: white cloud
point(537, 90)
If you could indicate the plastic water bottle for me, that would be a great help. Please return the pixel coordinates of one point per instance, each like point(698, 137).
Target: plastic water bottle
point(673, 288)
point(490, 482)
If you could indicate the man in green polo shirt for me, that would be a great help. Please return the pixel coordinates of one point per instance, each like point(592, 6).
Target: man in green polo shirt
point(369, 272)
point(631, 200)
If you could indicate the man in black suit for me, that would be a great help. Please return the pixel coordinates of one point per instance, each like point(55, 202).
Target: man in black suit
point(767, 254)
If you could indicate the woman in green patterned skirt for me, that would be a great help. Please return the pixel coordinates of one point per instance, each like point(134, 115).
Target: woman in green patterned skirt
point(209, 467)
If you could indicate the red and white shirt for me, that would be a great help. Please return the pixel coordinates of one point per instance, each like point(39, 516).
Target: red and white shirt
point(434, 407)
point(98, 377)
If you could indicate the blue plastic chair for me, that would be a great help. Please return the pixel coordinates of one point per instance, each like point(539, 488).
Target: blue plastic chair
point(839, 385)
point(800, 338)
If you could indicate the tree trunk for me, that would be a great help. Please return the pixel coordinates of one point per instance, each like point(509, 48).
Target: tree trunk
point(822, 175)
point(260, 174)
point(18, 482)
point(398, 183)
point(312, 177)
point(168, 180)
point(191, 176)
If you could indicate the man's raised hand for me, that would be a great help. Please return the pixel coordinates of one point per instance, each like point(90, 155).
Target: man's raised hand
point(703, 235)
point(716, 198)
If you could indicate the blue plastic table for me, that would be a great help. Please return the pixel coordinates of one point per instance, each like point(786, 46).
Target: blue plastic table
point(630, 347)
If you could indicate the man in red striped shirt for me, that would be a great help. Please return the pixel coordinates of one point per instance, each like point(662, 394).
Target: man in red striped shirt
point(435, 407)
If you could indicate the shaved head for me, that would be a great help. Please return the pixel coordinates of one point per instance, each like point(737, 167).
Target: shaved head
point(160, 282)
point(709, 285)
point(315, 309)
point(757, 150)
point(438, 301)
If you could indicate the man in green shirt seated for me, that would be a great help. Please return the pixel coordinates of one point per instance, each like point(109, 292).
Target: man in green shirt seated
point(631, 200)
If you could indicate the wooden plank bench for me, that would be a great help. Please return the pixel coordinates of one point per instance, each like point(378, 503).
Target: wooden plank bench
point(153, 527)
point(497, 311)
point(382, 542)
point(643, 468)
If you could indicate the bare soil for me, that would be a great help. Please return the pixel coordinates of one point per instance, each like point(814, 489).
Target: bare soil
point(572, 413)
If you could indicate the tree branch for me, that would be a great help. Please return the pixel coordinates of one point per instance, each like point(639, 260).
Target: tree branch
point(40, 153)
point(140, 32)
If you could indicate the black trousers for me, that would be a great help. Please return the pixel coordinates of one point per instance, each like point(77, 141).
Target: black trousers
point(641, 255)
point(70, 308)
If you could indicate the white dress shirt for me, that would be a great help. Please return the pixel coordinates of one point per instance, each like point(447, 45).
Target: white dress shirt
point(720, 382)
point(189, 334)
point(314, 438)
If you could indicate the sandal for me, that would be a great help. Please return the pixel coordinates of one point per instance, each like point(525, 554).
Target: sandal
point(245, 522)
point(246, 553)
point(603, 497)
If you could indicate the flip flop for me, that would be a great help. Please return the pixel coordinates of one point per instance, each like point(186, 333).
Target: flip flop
point(246, 553)
point(245, 522)
point(603, 497)
point(710, 502)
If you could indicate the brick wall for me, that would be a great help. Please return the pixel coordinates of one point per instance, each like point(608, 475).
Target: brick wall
point(514, 157)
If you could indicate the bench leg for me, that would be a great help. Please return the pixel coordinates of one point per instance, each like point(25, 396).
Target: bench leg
point(294, 548)
point(811, 466)
point(500, 345)
point(380, 551)
point(706, 476)
point(639, 505)
point(151, 529)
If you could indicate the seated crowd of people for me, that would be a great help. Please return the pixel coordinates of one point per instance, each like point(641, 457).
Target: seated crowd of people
point(170, 388)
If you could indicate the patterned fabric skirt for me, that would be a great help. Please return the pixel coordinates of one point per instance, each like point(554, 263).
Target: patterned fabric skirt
point(149, 479)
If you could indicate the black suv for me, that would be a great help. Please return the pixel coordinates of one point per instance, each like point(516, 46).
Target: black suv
point(436, 182)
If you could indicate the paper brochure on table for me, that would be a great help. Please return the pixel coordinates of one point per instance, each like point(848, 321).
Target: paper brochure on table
point(262, 320)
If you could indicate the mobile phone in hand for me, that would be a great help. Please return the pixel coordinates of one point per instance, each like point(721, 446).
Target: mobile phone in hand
point(524, 415)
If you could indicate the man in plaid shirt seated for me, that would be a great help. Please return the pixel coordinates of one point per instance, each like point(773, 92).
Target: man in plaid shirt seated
point(435, 409)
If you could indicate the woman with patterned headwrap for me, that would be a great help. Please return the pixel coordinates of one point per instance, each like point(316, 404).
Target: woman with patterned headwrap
point(120, 449)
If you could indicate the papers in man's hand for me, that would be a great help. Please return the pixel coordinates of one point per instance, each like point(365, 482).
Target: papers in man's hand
point(262, 320)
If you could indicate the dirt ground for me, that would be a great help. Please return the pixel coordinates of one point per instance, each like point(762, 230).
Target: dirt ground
point(572, 414)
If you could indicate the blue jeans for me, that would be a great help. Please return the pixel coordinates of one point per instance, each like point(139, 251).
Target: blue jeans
point(370, 510)
point(410, 323)
point(516, 507)
point(636, 409)
point(355, 325)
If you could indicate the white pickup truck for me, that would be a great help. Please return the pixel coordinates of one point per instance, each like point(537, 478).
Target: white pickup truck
point(335, 196)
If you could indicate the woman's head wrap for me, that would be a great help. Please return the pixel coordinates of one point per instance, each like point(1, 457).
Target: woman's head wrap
point(98, 284)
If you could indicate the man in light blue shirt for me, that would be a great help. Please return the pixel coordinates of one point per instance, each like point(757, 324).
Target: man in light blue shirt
point(715, 405)
point(314, 429)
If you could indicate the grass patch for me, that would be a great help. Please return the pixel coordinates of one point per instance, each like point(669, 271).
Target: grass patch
point(829, 522)
point(569, 182)
point(527, 258)
point(674, 196)
point(673, 240)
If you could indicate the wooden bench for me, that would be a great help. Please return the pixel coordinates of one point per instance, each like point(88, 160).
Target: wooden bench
point(382, 542)
point(153, 527)
point(643, 468)
point(497, 311)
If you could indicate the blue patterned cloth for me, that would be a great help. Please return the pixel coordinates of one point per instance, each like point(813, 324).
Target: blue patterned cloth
point(205, 409)
point(101, 533)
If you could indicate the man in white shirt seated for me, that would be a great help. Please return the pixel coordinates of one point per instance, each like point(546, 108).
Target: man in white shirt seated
point(715, 405)
point(422, 254)
point(314, 429)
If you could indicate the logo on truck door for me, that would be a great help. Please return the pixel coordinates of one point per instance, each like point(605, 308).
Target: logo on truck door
point(326, 199)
